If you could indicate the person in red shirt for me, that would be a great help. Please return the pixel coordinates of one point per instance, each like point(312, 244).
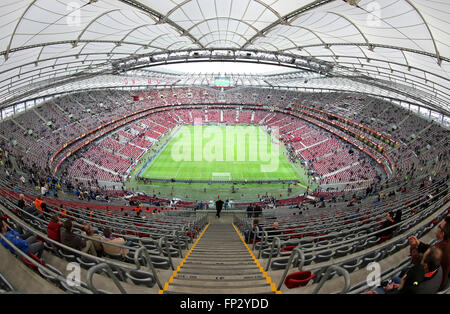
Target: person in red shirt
point(53, 228)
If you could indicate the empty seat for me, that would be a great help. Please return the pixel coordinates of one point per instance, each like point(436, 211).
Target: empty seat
point(360, 246)
point(371, 257)
point(342, 251)
point(308, 259)
point(307, 246)
point(324, 256)
point(86, 262)
point(298, 279)
point(403, 243)
point(49, 276)
point(391, 250)
point(117, 257)
point(281, 263)
point(118, 271)
point(141, 278)
point(67, 256)
point(320, 273)
point(173, 252)
point(352, 265)
point(322, 243)
point(160, 262)
point(148, 241)
point(372, 241)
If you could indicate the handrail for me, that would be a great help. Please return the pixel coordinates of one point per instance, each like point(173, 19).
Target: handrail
point(263, 242)
point(275, 240)
point(177, 239)
point(295, 252)
point(163, 241)
point(257, 234)
point(144, 253)
point(327, 275)
point(103, 267)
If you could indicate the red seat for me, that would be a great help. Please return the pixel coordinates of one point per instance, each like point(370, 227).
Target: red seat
point(288, 248)
point(298, 279)
point(384, 238)
point(28, 263)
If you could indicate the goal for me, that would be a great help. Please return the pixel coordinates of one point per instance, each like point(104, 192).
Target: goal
point(220, 176)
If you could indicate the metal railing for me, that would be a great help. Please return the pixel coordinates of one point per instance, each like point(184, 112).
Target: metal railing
point(102, 267)
point(276, 241)
point(328, 274)
point(294, 253)
point(144, 253)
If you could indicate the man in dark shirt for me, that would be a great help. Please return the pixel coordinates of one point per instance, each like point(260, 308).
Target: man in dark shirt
point(250, 211)
point(274, 230)
point(257, 211)
point(21, 201)
point(219, 205)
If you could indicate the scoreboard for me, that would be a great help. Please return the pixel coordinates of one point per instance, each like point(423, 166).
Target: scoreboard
point(222, 82)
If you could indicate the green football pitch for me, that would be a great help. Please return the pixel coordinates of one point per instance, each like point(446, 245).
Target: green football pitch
point(220, 153)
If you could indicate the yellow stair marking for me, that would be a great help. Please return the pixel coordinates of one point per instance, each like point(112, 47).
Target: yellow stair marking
point(175, 272)
point(273, 287)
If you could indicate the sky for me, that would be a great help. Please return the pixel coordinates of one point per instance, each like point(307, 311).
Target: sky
point(223, 67)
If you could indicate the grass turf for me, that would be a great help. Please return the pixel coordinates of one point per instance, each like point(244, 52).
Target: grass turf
point(221, 153)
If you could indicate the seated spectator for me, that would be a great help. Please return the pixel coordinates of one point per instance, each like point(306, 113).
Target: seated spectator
point(252, 235)
point(62, 211)
point(417, 248)
point(38, 207)
point(53, 228)
point(114, 250)
point(29, 245)
point(74, 241)
point(21, 202)
point(423, 278)
point(386, 224)
point(89, 231)
point(274, 230)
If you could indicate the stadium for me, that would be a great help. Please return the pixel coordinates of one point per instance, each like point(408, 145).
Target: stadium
point(224, 147)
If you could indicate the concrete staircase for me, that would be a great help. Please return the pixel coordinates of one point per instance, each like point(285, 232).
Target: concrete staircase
point(219, 263)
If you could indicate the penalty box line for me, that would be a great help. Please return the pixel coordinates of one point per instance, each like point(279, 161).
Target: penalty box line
point(158, 152)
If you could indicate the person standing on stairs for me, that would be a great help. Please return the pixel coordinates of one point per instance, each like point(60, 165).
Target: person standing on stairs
point(219, 205)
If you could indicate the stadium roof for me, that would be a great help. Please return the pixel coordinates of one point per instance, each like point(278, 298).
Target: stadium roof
point(46, 43)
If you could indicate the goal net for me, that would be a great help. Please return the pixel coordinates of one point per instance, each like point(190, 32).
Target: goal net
point(221, 176)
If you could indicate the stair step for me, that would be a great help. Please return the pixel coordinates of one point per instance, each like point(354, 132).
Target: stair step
point(221, 258)
point(211, 252)
point(221, 290)
point(221, 272)
point(243, 277)
point(219, 262)
point(216, 284)
point(222, 267)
